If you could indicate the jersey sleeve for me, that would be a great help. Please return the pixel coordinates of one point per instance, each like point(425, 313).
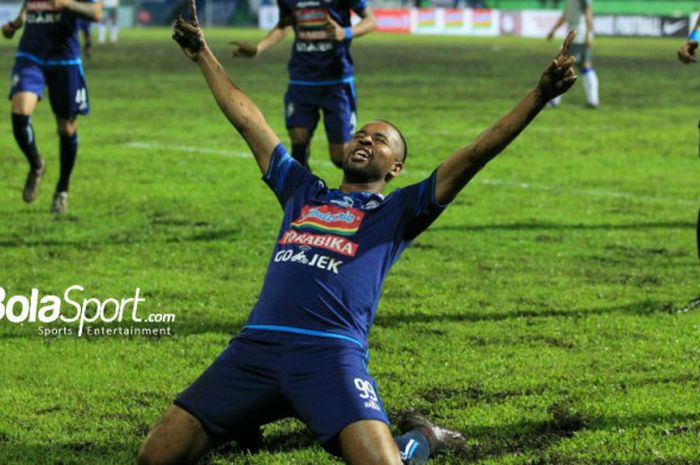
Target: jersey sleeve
point(285, 12)
point(358, 6)
point(285, 175)
point(419, 207)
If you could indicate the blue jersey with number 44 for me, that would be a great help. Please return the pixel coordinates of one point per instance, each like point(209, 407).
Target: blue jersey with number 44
point(316, 59)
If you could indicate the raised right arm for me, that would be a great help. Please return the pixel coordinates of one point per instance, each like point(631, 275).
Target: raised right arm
point(240, 110)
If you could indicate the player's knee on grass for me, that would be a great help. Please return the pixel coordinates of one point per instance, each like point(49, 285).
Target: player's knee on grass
point(178, 438)
point(368, 442)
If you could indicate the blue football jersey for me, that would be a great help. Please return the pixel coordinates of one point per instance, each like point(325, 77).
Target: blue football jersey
point(50, 35)
point(333, 251)
point(315, 58)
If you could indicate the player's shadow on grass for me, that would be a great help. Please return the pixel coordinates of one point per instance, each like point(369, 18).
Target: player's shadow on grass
point(545, 226)
point(537, 437)
point(641, 308)
point(127, 238)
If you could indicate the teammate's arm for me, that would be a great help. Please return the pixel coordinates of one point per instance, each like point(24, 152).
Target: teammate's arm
point(274, 37)
point(455, 172)
point(588, 12)
point(557, 25)
point(10, 27)
point(240, 110)
point(686, 53)
point(366, 25)
point(91, 11)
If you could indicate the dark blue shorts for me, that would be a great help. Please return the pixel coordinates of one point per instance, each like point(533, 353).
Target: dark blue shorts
point(338, 102)
point(67, 88)
point(263, 376)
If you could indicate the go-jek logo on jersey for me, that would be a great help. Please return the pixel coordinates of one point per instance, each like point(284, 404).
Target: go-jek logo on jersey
point(330, 219)
point(316, 260)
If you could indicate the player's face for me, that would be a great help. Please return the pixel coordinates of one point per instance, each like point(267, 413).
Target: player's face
point(374, 153)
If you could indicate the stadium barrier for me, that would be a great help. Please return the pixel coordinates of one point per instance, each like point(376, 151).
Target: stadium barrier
point(489, 22)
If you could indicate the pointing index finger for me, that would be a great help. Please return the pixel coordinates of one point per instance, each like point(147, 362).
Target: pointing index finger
point(567, 42)
point(192, 4)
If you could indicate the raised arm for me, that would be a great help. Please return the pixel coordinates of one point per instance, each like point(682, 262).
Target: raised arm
point(240, 110)
point(275, 36)
point(91, 11)
point(686, 54)
point(455, 172)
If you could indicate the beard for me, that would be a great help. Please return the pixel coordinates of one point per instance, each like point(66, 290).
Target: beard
point(363, 174)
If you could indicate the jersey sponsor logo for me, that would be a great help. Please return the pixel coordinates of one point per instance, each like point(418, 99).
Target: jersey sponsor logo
point(367, 393)
point(40, 5)
point(336, 244)
point(311, 18)
point(43, 17)
point(331, 219)
point(322, 262)
point(307, 4)
point(311, 24)
point(314, 46)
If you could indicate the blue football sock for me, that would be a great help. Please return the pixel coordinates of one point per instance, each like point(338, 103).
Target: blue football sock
point(69, 152)
point(24, 135)
point(414, 448)
point(301, 152)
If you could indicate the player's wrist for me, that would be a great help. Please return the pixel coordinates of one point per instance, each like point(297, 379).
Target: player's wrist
point(695, 35)
point(348, 33)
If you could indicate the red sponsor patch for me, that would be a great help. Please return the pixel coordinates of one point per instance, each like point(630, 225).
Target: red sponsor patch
point(330, 219)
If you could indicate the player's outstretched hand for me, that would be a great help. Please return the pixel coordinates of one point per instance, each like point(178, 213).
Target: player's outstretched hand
point(334, 31)
point(559, 76)
point(686, 54)
point(244, 49)
point(188, 34)
point(9, 29)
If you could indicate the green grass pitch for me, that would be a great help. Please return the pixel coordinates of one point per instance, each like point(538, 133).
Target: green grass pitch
point(541, 315)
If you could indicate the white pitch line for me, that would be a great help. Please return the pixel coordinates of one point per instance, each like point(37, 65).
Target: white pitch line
point(187, 148)
point(587, 192)
point(421, 173)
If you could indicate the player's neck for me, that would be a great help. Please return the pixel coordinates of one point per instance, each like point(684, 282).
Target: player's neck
point(376, 186)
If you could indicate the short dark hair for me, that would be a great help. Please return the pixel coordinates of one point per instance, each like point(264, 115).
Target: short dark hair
point(403, 139)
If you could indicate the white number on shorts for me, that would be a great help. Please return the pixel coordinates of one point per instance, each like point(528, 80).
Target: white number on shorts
point(81, 97)
point(366, 389)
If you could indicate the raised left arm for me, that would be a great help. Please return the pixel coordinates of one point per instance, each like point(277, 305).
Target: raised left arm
point(455, 172)
point(91, 11)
